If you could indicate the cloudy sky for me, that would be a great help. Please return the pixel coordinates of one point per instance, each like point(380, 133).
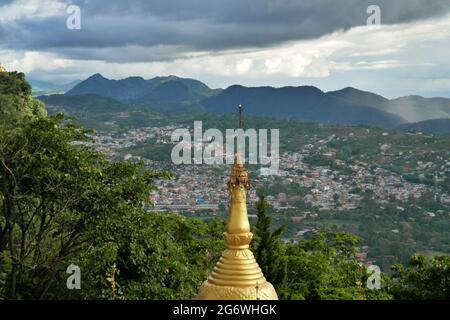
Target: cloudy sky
point(326, 43)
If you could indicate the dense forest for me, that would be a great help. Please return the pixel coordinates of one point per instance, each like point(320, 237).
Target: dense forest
point(64, 203)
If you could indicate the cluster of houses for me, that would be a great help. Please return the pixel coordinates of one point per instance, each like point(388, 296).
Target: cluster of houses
point(202, 188)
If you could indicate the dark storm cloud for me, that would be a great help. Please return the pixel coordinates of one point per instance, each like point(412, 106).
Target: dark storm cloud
point(168, 29)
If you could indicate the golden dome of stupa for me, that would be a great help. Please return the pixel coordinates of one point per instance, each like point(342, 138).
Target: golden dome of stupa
point(2, 69)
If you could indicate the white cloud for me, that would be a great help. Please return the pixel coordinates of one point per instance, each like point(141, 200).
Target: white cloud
point(20, 9)
point(368, 65)
point(243, 66)
point(29, 61)
point(411, 49)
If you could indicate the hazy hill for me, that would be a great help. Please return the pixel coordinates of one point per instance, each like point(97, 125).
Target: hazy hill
point(417, 108)
point(436, 126)
point(306, 102)
point(83, 103)
point(164, 93)
point(411, 108)
point(47, 88)
point(42, 85)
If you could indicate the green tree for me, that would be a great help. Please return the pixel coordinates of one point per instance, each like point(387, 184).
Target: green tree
point(62, 203)
point(267, 246)
point(16, 102)
point(158, 255)
point(55, 195)
point(423, 279)
point(325, 268)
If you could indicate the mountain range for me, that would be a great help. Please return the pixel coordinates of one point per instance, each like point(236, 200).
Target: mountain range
point(170, 94)
point(174, 94)
point(305, 103)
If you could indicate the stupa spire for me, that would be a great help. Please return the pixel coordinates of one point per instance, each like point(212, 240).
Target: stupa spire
point(237, 275)
point(241, 118)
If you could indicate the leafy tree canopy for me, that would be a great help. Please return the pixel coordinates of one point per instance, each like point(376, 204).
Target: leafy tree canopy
point(16, 102)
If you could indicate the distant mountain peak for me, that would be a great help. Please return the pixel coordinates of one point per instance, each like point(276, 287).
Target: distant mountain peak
point(411, 97)
point(349, 88)
point(305, 88)
point(97, 76)
point(134, 78)
point(158, 93)
point(355, 91)
point(236, 86)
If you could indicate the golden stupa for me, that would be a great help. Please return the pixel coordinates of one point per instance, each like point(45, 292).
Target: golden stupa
point(237, 275)
point(2, 69)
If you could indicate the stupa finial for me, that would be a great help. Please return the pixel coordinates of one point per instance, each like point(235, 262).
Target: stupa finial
point(237, 273)
point(241, 119)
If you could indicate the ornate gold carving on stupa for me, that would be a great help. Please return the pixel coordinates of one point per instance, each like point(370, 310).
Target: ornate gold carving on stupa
point(237, 275)
point(2, 69)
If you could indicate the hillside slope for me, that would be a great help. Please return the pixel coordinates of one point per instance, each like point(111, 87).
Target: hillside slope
point(307, 103)
point(436, 126)
point(411, 108)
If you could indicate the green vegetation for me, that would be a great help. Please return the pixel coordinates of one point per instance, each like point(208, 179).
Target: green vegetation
point(267, 248)
point(16, 101)
point(64, 203)
point(423, 279)
point(326, 267)
point(393, 233)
